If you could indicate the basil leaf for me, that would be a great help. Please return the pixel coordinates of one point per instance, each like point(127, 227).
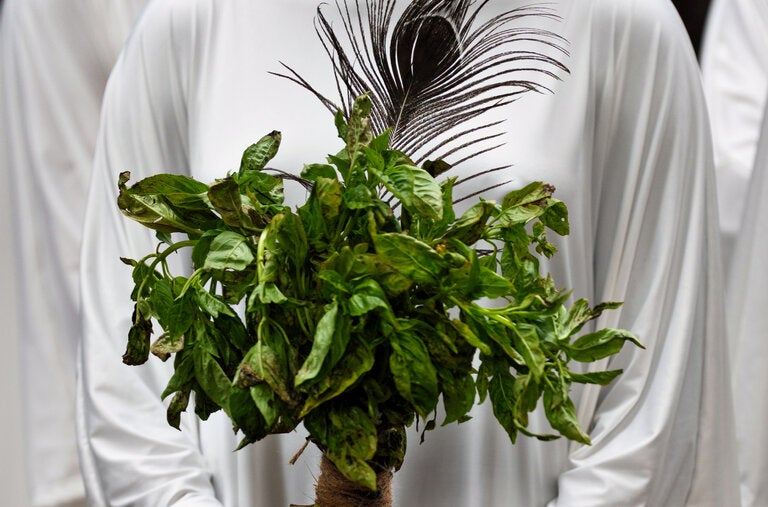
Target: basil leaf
point(321, 345)
point(356, 362)
point(257, 155)
point(229, 250)
point(178, 405)
point(211, 376)
point(561, 414)
point(602, 378)
point(458, 396)
point(418, 192)
point(501, 390)
point(410, 257)
point(413, 372)
point(600, 344)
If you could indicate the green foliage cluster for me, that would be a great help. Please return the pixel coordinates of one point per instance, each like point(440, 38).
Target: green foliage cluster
point(349, 317)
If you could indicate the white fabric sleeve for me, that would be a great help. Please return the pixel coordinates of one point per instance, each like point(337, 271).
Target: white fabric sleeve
point(130, 455)
point(662, 433)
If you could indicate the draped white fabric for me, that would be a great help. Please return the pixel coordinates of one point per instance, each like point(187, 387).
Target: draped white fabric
point(13, 482)
point(55, 59)
point(747, 324)
point(735, 74)
point(624, 138)
point(734, 65)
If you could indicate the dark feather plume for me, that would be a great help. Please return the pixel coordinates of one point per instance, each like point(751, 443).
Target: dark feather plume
point(433, 70)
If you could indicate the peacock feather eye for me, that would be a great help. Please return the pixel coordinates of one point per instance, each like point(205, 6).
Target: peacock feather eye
point(434, 67)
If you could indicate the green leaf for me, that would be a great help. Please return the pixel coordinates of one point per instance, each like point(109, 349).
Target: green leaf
point(179, 190)
point(561, 414)
point(358, 197)
point(257, 155)
point(491, 285)
point(501, 391)
point(268, 361)
point(527, 343)
point(181, 316)
point(458, 395)
point(291, 238)
point(410, 257)
point(530, 194)
point(229, 250)
point(161, 299)
point(556, 217)
point(466, 332)
point(234, 329)
point(246, 415)
point(359, 125)
point(321, 345)
point(333, 282)
point(328, 193)
point(356, 362)
point(211, 303)
point(143, 204)
point(526, 393)
point(211, 376)
point(267, 402)
point(418, 192)
point(178, 405)
point(600, 344)
point(312, 172)
point(413, 372)
point(602, 378)
point(204, 405)
point(266, 293)
point(183, 375)
point(470, 227)
point(368, 296)
point(351, 442)
point(226, 199)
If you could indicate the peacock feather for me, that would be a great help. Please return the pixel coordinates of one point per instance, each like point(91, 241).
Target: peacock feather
point(432, 68)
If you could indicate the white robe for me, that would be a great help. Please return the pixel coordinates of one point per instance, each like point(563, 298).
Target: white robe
point(748, 323)
point(625, 141)
point(735, 74)
point(55, 59)
point(13, 482)
point(734, 63)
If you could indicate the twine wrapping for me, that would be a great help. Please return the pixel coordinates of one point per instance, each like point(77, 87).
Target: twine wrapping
point(335, 490)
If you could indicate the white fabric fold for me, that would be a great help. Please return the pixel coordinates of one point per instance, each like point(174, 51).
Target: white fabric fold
point(747, 325)
point(735, 76)
point(734, 66)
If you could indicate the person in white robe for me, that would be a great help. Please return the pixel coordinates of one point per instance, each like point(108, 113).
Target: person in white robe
point(735, 76)
point(747, 327)
point(624, 138)
point(734, 66)
point(55, 59)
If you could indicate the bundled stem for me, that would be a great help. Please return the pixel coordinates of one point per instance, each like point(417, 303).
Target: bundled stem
point(335, 490)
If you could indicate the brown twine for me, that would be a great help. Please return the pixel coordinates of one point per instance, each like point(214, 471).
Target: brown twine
point(335, 490)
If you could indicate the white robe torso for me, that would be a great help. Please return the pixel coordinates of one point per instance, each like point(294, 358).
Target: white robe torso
point(625, 141)
point(55, 59)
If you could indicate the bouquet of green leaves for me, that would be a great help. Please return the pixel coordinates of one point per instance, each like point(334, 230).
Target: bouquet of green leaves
point(356, 315)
